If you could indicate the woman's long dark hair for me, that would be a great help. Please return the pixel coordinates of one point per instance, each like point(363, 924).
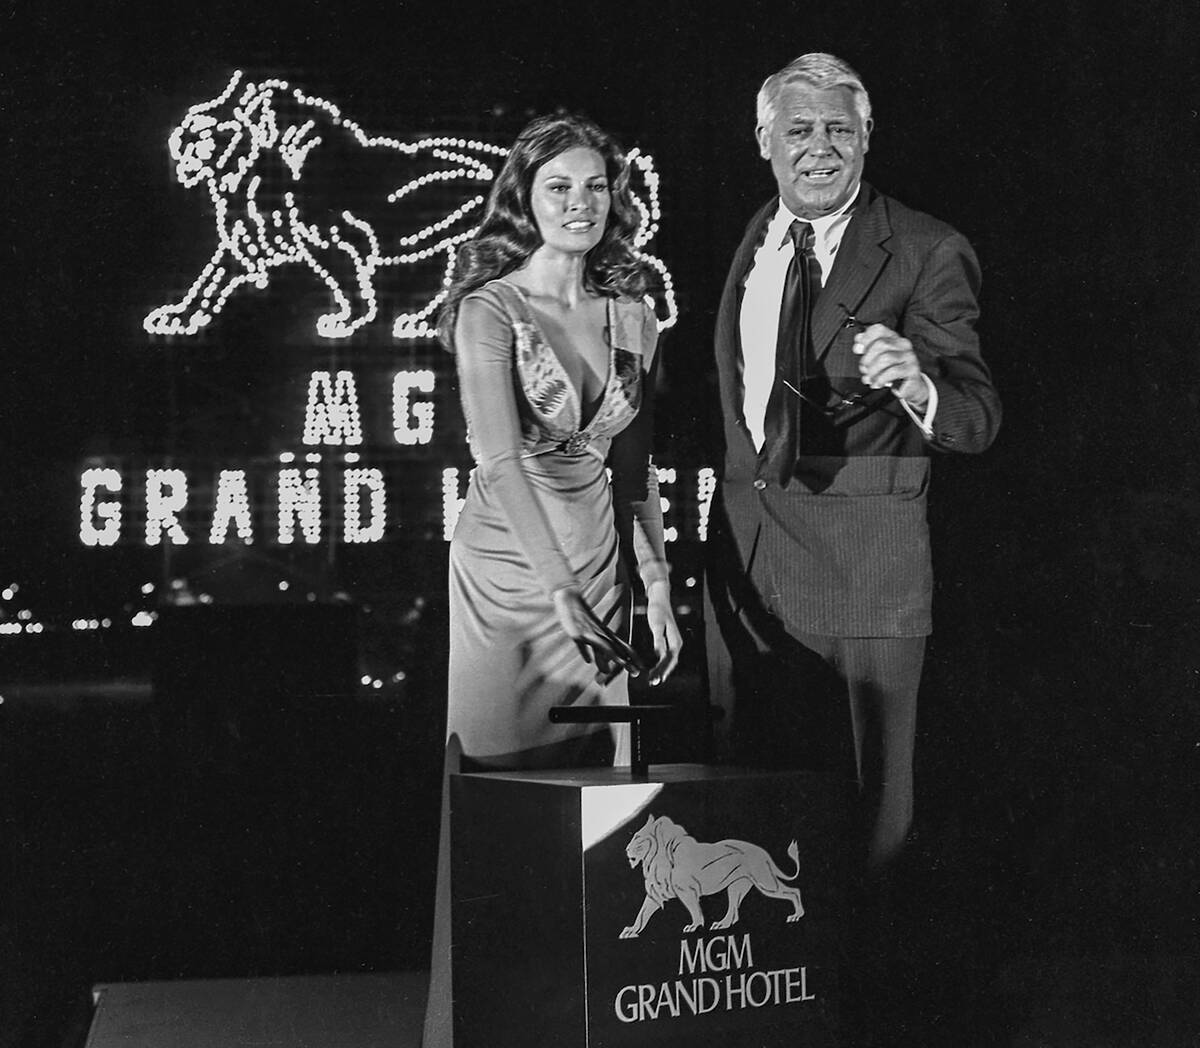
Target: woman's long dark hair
point(508, 234)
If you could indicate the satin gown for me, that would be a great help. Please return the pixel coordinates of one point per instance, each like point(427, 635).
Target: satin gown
point(540, 513)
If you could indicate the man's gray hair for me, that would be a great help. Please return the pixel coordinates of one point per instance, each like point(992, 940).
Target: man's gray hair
point(820, 70)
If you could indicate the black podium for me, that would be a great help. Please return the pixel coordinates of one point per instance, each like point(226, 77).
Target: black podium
point(687, 905)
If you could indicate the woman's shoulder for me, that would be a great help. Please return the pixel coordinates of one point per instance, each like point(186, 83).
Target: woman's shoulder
point(637, 321)
point(497, 297)
point(489, 313)
point(495, 290)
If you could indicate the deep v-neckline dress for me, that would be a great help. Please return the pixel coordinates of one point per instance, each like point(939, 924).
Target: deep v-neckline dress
point(510, 661)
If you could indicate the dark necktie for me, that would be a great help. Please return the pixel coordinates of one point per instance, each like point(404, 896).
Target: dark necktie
point(793, 355)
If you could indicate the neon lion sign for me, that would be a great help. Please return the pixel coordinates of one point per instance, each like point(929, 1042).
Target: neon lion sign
point(292, 180)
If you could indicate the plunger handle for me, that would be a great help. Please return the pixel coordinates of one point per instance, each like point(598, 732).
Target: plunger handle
point(634, 716)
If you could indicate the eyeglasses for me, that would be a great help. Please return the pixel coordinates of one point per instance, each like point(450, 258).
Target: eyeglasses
point(839, 413)
point(835, 412)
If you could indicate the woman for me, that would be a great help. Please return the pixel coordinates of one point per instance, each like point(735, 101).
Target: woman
point(555, 350)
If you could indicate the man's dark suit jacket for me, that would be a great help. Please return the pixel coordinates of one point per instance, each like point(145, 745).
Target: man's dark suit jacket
point(843, 550)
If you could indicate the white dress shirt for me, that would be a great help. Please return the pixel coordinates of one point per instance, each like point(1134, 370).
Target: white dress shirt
point(761, 300)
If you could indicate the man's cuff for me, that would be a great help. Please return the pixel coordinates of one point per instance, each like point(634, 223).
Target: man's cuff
point(925, 422)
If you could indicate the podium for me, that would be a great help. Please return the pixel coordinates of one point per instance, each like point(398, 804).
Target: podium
point(687, 905)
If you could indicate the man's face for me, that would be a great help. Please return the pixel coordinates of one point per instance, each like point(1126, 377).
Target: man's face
point(816, 145)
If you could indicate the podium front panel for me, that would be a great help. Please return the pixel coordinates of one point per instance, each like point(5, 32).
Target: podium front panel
point(698, 906)
point(517, 913)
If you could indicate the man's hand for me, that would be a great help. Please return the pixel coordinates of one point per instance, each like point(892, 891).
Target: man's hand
point(887, 361)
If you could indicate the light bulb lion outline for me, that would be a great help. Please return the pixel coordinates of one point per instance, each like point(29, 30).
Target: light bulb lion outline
point(252, 146)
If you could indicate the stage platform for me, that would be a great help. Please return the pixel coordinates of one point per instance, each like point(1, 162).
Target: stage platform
point(310, 1011)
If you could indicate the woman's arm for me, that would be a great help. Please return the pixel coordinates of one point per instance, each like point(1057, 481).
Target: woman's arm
point(638, 511)
point(483, 341)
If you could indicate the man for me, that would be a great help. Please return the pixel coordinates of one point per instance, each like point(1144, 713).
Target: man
point(846, 353)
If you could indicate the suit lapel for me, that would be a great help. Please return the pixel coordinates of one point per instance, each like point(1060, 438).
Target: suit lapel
point(860, 259)
point(729, 340)
point(755, 231)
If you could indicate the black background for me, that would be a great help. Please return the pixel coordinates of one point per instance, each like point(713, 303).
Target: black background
point(1060, 736)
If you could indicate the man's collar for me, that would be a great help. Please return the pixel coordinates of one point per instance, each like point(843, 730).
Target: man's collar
point(784, 217)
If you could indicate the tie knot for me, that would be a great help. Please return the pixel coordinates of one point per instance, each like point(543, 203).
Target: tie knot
point(802, 235)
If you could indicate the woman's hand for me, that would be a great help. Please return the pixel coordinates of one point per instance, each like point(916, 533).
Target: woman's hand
point(667, 639)
point(595, 641)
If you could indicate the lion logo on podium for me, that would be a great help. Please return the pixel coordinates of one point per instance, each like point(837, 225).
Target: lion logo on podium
point(293, 182)
point(677, 866)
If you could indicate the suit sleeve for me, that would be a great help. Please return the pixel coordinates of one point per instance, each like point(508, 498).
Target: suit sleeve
point(483, 340)
point(940, 322)
point(636, 502)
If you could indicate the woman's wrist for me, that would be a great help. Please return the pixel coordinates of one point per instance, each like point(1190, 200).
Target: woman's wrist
point(659, 589)
point(655, 573)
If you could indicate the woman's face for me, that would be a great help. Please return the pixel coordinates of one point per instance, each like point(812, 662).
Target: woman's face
point(570, 198)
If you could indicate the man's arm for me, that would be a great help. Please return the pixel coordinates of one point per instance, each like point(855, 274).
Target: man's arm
point(937, 345)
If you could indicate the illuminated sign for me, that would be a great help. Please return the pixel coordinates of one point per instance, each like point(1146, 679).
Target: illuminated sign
point(371, 444)
point(252, 149)
point(327, 490)
point(306, 504)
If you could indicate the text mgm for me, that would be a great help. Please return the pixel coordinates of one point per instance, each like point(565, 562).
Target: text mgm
point(697, 991)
